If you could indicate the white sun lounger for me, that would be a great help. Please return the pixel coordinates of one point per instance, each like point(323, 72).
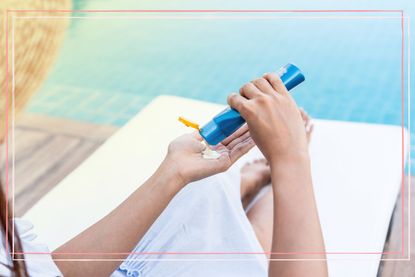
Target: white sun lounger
point(356, 173)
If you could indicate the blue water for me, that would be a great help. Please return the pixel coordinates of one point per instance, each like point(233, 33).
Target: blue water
point(108, 69)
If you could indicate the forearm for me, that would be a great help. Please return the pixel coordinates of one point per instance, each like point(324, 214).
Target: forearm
point(297, 231)
point(119, 231)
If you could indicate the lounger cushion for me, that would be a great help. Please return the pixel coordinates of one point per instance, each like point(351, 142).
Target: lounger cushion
point(356, 171)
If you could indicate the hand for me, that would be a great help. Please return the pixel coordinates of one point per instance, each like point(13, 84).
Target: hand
point(273, 118)
point(185, 155)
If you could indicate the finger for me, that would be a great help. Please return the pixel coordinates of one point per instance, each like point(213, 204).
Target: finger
point(240, 104)
point(305, 117)
point(307, 120)
point(197, 136)
point(202, 147)
point(219, 148)
point(309, 133)
point(263, 85)
point(304, 114)
point(311, 128)
point(238, 140)
point(241, 149)
point(276, 83)
point(196, 142)
point(236, 134)
point(249, 91)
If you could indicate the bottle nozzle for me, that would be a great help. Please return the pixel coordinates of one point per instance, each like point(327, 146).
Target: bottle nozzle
point(189, 123)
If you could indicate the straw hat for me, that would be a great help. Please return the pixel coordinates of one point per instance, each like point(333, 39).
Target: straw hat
point(36, 43)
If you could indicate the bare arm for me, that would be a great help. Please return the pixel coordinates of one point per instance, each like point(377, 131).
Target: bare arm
point(276, 126)
point(296, 222)
point(122, 229)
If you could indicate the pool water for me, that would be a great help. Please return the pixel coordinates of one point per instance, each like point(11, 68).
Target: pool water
point(110, 68)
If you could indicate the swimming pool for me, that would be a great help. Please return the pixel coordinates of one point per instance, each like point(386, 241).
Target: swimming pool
point(109, 68)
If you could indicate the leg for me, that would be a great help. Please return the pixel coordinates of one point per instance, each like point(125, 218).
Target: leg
point(254, 176)
point(260, 216)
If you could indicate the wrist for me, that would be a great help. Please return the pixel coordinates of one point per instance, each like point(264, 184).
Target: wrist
point(291, 158)
point(169, 170)
point(291, 178)
point(295, 163)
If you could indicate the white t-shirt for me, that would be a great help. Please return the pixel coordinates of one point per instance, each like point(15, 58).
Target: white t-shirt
point(40, 265)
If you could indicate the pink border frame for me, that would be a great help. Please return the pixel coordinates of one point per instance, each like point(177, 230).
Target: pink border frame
point(401, 12)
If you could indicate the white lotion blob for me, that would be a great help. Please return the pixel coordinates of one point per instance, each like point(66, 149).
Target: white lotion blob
point(208, 153)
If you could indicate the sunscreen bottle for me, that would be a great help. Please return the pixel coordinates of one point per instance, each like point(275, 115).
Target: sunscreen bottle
point(229, 120)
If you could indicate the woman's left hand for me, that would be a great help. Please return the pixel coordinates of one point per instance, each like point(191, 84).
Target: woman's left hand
point(185, 155)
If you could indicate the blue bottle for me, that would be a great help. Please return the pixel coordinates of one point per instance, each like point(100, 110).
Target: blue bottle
point(229, 120)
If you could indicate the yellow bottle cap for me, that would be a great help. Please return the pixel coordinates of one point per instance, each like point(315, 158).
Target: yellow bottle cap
point(189, 123)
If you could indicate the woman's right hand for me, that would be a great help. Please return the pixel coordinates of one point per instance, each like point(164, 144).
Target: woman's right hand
point(274, 120)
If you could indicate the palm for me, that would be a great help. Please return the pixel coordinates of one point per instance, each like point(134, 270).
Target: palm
point(236, 145)
point(186, 154)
